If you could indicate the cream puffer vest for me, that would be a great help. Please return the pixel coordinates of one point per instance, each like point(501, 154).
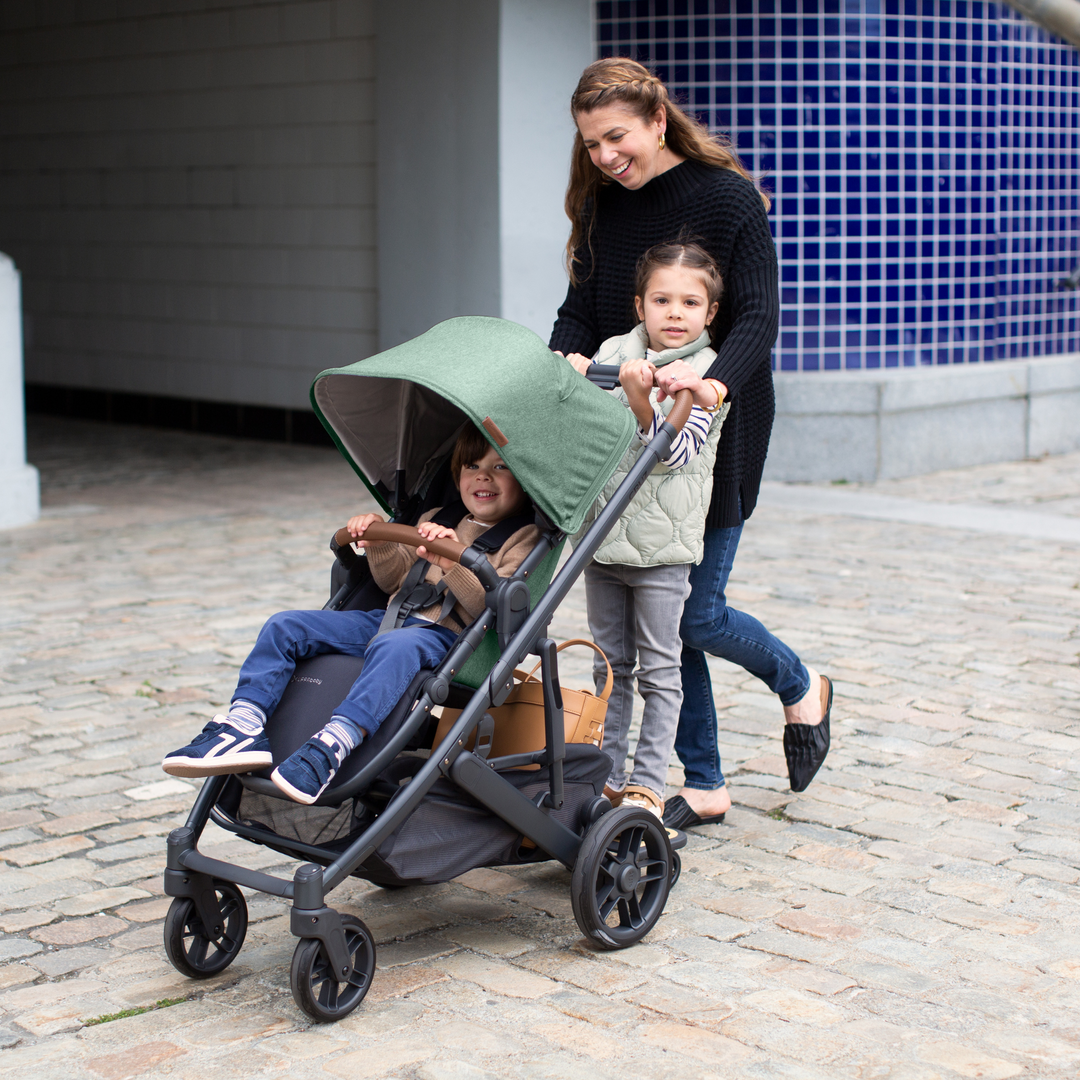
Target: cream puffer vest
point(665, 522)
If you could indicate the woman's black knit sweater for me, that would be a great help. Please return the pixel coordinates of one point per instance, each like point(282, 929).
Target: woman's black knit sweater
point(724, 212)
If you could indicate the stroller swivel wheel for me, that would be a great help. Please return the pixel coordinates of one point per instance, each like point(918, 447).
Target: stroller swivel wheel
point(621, 878)
point(196, 952)
point(676, 868)
point(316, 989)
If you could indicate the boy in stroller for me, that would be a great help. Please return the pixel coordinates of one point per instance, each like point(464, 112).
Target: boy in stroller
point(433, 599)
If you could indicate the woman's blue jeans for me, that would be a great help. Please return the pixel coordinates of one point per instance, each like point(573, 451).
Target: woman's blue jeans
point(710, 626)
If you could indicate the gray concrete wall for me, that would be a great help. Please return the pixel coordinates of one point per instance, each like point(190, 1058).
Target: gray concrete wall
point(869, 425)
point(438, 136)
point(474, 151)
point(189, 192)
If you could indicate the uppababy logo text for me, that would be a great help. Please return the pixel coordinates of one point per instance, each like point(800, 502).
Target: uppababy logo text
point(307, 678)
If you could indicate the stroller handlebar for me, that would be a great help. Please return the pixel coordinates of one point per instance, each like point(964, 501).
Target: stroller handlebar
point(680, 411)
point(404, 534)
point(606, 376)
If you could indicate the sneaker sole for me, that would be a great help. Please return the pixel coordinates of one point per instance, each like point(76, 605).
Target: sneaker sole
point(235, 763)
point(295, 793)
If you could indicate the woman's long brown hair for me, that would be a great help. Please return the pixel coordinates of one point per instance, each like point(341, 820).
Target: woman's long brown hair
point(618, 80)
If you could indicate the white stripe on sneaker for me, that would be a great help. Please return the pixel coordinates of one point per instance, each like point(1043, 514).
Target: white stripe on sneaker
point(229, 745)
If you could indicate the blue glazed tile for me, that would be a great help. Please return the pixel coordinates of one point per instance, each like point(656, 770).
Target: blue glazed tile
point(975, 133)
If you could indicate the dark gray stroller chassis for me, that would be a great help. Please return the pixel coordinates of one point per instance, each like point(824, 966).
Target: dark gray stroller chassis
point(398, 818)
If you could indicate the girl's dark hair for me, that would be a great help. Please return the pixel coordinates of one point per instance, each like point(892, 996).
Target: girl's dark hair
point(470, 446)
point(680, 253)
point(618, 80)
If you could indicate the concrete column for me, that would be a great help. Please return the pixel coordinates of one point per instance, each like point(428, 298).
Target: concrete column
point(543, 48)
point(19, 502)
point(474, 137)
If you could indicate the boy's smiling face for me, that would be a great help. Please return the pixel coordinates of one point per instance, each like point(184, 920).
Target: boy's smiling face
point(489, 490)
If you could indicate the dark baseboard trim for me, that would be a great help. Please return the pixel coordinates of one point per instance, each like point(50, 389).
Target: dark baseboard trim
point(179, 414)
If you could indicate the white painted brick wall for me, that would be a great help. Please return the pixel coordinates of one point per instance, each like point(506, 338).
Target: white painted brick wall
point(188, 188)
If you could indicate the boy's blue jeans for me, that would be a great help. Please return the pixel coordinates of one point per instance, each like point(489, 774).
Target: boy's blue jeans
point(710, 626)
point(390, 661)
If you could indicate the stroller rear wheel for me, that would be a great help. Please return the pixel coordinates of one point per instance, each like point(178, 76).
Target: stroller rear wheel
point(621, 878)
point(315, 987)
point(196, 952)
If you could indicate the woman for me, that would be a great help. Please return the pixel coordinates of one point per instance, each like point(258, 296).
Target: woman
point(642, 173)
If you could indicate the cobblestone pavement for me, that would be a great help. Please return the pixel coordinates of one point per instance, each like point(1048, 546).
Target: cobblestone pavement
point(914, 914)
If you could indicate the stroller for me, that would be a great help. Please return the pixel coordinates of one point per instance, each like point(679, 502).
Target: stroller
point(401, 811)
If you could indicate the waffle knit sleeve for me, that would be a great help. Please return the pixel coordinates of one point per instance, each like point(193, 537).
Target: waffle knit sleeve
point(752, 291)
point(576, 329)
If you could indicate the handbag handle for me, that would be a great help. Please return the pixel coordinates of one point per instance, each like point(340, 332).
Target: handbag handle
point(606, 692)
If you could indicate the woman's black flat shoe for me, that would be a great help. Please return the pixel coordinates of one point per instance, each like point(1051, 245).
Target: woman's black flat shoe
point(678, 815)
point(806, 745)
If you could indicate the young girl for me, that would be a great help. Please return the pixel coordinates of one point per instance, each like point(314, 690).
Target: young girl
point(638, 580)
point(236, 743)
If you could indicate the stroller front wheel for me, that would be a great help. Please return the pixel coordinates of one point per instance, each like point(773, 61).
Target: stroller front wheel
point(193, 950)
point(621, 878)
point(315, 987)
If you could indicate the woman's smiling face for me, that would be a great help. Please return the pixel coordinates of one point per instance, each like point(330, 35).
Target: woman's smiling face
point(624, 146)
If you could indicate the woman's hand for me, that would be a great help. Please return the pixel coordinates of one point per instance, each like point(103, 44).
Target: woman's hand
point(358, 525)
point(637, 378)
point(679, 375)
point(430, 531)
point(579, 363)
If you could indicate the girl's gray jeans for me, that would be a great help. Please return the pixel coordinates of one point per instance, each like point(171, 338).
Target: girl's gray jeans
point(634, 614)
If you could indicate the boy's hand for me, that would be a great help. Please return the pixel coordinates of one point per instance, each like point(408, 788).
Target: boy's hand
point(431, 531)
point(579, 363)
point(637, 378)
point(357, 526)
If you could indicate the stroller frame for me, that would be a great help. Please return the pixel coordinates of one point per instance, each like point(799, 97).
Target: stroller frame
point(335, 958)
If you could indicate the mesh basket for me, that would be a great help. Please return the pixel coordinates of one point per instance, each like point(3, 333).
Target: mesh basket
point(292, 821)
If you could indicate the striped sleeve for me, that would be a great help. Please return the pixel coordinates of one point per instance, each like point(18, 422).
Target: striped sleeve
point(688, 443)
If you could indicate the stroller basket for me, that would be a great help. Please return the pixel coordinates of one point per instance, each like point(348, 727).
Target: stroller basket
point(448, 830)
point(401, 811)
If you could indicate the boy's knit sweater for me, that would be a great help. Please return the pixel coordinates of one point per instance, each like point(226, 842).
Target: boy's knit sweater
point(724, 213)
point(390, 563)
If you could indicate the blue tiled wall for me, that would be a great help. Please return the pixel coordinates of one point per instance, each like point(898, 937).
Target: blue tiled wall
point(923, 159)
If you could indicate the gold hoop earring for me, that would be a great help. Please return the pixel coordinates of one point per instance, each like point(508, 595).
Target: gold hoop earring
point(663, 141)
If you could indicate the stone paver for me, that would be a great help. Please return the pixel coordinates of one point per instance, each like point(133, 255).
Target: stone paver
point(915, 913)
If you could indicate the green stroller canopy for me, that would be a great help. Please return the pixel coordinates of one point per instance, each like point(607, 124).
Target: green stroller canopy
point(400, 411)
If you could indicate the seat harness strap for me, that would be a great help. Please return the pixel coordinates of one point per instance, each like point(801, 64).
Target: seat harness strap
point(416, 593)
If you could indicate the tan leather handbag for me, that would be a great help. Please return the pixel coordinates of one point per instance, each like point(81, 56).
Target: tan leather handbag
point(519, 721)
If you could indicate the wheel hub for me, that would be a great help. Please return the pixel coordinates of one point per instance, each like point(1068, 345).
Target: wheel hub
point(627, 879)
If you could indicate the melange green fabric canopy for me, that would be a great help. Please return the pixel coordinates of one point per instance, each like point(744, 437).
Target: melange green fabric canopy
point(400, 411)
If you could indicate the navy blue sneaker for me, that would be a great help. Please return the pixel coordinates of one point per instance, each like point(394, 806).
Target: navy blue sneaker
point(307, 774)
point(219, 748)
